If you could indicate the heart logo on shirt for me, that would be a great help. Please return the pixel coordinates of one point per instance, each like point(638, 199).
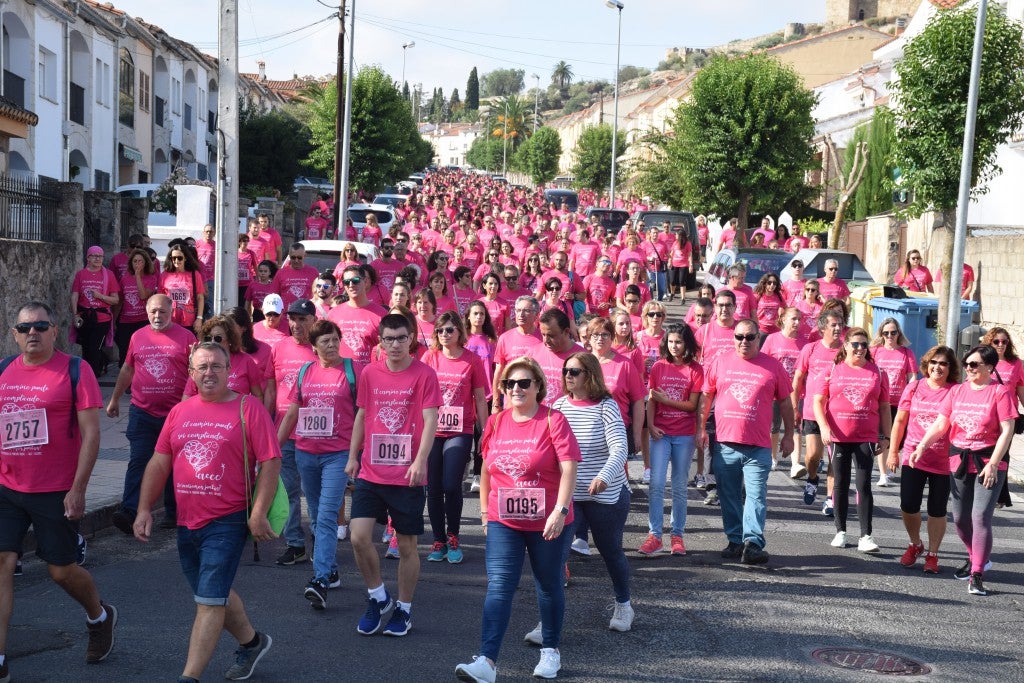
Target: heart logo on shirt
point(788, 364)
point(317, 402)
point(967, 423)
point(673, 393)
point(742, 392)
point(855, 396)
point(514, 466)
point(449, 393)
point(199, 454)
point(352, 340)
point(131, 298)
point(893, 376)
point(14, 408)
point(393, 418)
point(289, 378)
point(297, 291)
point(156, 366)
point(924, 420)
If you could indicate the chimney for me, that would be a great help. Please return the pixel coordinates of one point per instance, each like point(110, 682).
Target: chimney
point(263, 70)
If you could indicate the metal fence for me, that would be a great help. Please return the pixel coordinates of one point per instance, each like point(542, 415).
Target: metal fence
point(28, 208)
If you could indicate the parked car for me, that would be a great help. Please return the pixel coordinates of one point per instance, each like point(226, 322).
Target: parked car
point(611, 219)
point(138, 190)
point(500, 179)
point(850, 267)
point(758, 262)
point(392, 200)
point(679, 220)
point(325, 254)
point(385, 217)
point(557, 196)
point(318, 184)
point(417, 178)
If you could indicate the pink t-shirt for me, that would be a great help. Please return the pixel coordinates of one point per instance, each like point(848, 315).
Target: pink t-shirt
point(896, 364)
point(393, 405)
point(102, 281)
point(245, 374)
point(246, 267)
point(207, 254)
point(39, 438)
point(294, 284)
point(836, 289)
point(499, 311)
point(584, 258)
point(678, 382)
point(921, 403)
point(178, 286)
point(649, 347)
point(714, 340)
point(205, 440)
point(746, 303)
point(816, 362)
point(457, 379)
point(514, 344)
point(680, 257)
point(624, 382)
point(793, 291)
point(645, 291)
point(387, 270)
point(974, 418)
point(768, 307)
point(744, 391)
point(359, 328)
point(600, 294)
point(257, 291)
point(326, 411)
point(522, 459)
point(914, 280)
point(551, 365)
point(268, 335)
point(285, 360)
point(785, 350)
point(261, 248)
point(160, 362)
point(853, 395)
point(316, 228)
point(133, 307)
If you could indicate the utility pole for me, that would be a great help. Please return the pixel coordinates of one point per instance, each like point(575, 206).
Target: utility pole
point(225, 276)
point(339, 122)
point(341, 211)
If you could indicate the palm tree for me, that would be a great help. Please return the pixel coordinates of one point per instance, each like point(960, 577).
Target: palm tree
point(562, 75)
point(517, 113)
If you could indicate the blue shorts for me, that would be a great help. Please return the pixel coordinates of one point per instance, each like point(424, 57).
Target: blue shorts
point(209, 557)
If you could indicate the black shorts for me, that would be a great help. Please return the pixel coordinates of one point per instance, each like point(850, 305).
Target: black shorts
point(56, 539)
point(912, 483)
point(810, 427)
point(403, 503)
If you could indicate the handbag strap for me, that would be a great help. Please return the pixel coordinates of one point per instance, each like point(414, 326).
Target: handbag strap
point(245, 456)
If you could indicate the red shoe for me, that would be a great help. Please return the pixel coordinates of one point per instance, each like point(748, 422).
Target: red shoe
point(910, 556)
point(931, 563)
point(650, 546)
point(678, 547)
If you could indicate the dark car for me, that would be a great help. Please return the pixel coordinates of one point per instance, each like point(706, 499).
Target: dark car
point(757, 260)
point(679, 220)
point(557, 196)
point(611, 219)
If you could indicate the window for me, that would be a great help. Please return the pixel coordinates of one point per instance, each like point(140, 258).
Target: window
point(102, 83)
point(175, 96)
point(144, 90)
point(48, 75)
point(101, 181)
point(126, 90)
point(201, 105)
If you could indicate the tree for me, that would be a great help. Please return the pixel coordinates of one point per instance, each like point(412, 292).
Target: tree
point(849, 179)
point(930, 98)
point(485, 152)
point(385, 142)
point(270, 147)
point(502, 82)
point(562, 76)
point(454, 100)
point(405, 92)
point(873, 196)
point(473, 91)
point(513, 118)
point(742, 140)
point(542, 152)
point(592, 157)
point(630, 72)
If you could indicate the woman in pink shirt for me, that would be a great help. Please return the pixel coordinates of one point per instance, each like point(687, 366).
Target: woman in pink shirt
point(182, 281)
point(425, 304)
point(490, 265)
point(94, 292)
point(912, 275)
point(553, 299)
point(624, 343)
point(768, 294)
point(852, 406)
point(918, 407)
point(498, 308)
point(784, 346)
point(635, 275)
point(245, 376)
point(259, 288)
point(978, 415)
point(682, 262)
point(138, 284)
point(891, 352)
point(438, 284)
point(1011, 372)
point(810, 305)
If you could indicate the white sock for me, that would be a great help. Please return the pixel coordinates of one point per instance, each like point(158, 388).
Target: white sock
point(99, 620)
point(3, 658)
point(378, 593)
point(405, 607)
point(628, 603)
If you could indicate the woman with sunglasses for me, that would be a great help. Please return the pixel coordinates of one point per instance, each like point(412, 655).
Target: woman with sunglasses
point(918, 407)
point(553, 299)
point(793, 288)
point(1011, 372)
point(810, 306)
point(683, 265)
point(463, 381)
point(851, 410)
point(490, 265)
point(978, 415)
point(912, 275)
point(482, 340)
point(260, 287)
point(182, 281)
point(674, 385)
point(349, 256)
point(770, 301)
point(622, 376)
point(245, 377)
point(648, 343)
point(497, 306)
point(601, 497)
point(530, 456)
point(893, 356)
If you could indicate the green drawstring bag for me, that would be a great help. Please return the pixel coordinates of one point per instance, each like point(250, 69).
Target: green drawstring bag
point(277, 515)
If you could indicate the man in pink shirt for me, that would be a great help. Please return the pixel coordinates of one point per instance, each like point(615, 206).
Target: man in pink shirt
point(294, 280)
point(48, 445)
point(156, 370)
point(558, 344)
point(743, 385)
point(746, 302)
point(832, 286)
point(386, 265)
point(358, 318)
point(206, 251)
point(600, 288)
point(316, 225)
point(516, 342)
point(273, 237)
point(392, 435)
point(583, 256)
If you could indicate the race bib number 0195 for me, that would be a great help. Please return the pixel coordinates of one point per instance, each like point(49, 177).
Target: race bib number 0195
point(24, 428)
point(315, 422)
point(525, 504)
point(449, 419)
point(391, 450)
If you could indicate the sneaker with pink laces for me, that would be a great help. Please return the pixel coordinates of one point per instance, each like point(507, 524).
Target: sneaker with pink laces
point(931, 563)
point(650, 546)
point(910, 556)
point(392, 551)
point(678, 547)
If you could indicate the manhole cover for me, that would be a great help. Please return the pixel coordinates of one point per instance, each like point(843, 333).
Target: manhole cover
point(870, 660)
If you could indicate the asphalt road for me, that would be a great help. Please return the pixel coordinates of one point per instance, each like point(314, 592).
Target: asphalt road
point(698, 617)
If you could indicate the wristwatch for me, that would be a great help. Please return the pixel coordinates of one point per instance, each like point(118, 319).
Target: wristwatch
point(564, 510)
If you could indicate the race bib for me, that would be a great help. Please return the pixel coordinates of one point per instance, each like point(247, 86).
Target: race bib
point(243, 270)
point(390, 450)
point(525, 504)
point(449, 419)
point(24, 428)
point(179, 296)
point(315, 422)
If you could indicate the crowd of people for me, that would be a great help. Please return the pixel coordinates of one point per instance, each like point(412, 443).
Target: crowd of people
point(509, 344)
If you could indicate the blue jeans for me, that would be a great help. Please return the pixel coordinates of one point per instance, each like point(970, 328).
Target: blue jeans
point(209, 557)
point(208, 301)
point(677, 450)
point(737, 465)
point(657, 282)
point(323, 482)
point(606, 520)
point(505, 551)
point(292, 533)
point(446, 466)
point(142, 432)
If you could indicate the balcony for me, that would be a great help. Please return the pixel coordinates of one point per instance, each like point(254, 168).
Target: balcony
point(14, 88)
point(76, 110)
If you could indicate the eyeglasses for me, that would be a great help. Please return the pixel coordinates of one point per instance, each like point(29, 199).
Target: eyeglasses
point(600, 335)
point(655, 314)
point(38, 326)
point(510, 384)
point(810, 289)
point(212, 367)
point(972, 364)
point(858, 345)
point(390, 341)
point(351, 281)
point(745, 337)
point(554, 288)
point(296, 258)
point(215, 338)
point(891, 333)
point(572, 372)
point(1000, 342)
point(446, 330)
point(940, 363)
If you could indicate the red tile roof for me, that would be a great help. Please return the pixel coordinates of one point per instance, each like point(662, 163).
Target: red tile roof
point(946, 4)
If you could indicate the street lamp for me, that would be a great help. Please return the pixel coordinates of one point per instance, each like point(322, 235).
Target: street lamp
point(617, 5)
point(504, 140)
point(536, 101)
point(405, 49)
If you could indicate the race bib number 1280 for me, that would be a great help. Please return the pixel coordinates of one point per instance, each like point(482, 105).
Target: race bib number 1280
point(24, 428)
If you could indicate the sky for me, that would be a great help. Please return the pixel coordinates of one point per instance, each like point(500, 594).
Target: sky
point(453, 36)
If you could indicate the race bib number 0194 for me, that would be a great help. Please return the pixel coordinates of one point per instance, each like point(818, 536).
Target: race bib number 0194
point(391, 450)
point(24, 428)
point(525, 504)
point(315, 422)
point(449, 419)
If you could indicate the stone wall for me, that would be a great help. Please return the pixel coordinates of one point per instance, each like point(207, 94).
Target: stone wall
point(102, 221)
point(998, 261)
point(136, 210)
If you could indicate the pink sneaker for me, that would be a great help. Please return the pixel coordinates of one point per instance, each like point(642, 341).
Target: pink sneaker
point(650, 546)
point(912, 553)
point(678, 547)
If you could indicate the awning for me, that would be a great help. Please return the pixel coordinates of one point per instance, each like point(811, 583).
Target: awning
point(130, 153)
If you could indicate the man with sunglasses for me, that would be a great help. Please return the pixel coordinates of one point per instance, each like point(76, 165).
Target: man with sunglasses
point(358, 318)
point(793, 288)
point(386, 265)
point(742, 386)
point(48, 452)
point(324, 289)
point(294, 280)
point(832, 286)
point(156, 370)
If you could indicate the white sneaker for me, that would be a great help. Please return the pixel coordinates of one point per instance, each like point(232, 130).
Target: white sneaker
point(647, 475)
point(867, 544)
point(840, 540)
point(622, 617)
point(478, 671)
point(475, 486)
point(342, 532)
point(797, 471)
point(699, 482)
point(549, 665)
point(883, 482)
point(536, 636)
point(580, 546)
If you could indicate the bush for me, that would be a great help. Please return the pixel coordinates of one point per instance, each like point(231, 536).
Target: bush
point(166, 197)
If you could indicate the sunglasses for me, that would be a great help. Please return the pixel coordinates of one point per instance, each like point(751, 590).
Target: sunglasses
point(1000, 342)
point(745, 337)
point(388, 247)
point(352, 281)
point(655, 314)
point(554, 289)
point(572, 372)
point(972, 364)
point(831, 269)
point(177, 258)
point(858, 345)
point(323, 285)
point(271, 315)
point(446, 330)
point(38, 326)
point(940, 363)
point(891, 333)
point(510, 384)
point(810, 289)
point(215, 338)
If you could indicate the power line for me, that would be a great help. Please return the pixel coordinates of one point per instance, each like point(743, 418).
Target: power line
point(254, 41)
point(284, 45)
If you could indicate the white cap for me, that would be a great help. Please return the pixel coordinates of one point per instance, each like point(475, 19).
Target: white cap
point(272, 303)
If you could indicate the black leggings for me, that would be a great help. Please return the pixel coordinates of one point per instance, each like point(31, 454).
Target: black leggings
point(912, 483)
point(91, 337)
point(844, 456)
point(123, 335)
